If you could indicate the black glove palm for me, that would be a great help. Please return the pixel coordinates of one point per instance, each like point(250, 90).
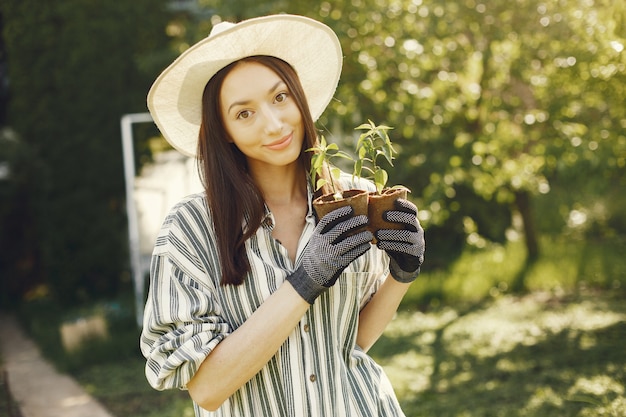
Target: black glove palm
point(405, 247)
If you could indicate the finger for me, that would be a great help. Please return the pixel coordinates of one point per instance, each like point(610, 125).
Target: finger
point(404, 214)
point(353, 238)
point(407, 220)
point(403, 248)
point(354, 253)
point(405, 206)
point(404, 235)
point(346, 228)
point(336, 216)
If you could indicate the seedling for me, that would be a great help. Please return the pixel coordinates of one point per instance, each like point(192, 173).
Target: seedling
point(372, 144)
point(323, 154)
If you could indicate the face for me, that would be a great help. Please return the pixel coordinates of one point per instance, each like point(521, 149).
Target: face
point(261, 116)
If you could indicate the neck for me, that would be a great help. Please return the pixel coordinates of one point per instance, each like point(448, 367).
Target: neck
point(281, 185)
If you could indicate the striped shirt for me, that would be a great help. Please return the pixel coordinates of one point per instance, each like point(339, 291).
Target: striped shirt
point(319, 371)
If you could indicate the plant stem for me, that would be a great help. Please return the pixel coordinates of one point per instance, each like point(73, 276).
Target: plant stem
point(332, 181)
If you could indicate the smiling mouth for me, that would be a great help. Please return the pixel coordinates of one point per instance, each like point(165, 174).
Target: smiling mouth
point(281, 143)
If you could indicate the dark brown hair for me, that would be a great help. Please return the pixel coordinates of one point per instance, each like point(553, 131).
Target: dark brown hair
point(233, 197)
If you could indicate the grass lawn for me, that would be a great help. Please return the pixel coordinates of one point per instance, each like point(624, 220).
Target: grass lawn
point(123, 390)
point(463, 344)
point(535, 355)
point(513, 356)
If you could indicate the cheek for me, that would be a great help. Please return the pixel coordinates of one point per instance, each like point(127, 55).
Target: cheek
point(295, 117)
point(234, 133)
point(243, 138)
point(298, 121)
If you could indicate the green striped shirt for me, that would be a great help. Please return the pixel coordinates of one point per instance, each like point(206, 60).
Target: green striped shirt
point(319, 371)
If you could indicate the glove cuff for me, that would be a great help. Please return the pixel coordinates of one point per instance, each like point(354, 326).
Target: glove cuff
point(402, 276)
point(304, 285)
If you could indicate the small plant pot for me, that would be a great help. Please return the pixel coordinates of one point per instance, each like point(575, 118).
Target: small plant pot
point(358, 199)
point(380, 203)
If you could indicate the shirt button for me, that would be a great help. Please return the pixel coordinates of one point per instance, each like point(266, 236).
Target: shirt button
point(312, 378)
point(306, 327)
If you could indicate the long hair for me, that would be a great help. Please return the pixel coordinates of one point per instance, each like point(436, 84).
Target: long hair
point(235, 202)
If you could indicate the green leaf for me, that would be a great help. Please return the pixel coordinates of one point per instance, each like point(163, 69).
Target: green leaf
point(320, 183)
point(358, 167)
point(363, 126)
point(380, 179)
point(343, 155)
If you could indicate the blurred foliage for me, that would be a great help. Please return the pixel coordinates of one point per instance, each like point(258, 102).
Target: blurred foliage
point(74, 68)
point(493, 102)
point(496, 105)
point(508, 116)
point(43, 317)
point(566, 266)
point(19, 220)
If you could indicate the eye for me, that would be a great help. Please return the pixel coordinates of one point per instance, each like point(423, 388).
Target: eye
point(281, 97)
point(244, 114)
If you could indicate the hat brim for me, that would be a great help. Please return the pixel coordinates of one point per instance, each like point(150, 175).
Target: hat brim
point(310, 47)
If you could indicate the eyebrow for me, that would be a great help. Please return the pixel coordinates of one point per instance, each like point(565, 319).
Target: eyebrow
point(244, 102)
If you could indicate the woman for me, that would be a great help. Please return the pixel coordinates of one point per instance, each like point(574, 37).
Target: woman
point(254, 306)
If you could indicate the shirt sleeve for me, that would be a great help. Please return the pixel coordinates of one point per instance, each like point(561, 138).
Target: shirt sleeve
point(182, 319)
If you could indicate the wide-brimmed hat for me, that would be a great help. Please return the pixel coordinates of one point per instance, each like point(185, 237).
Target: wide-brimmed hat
point(310, 47)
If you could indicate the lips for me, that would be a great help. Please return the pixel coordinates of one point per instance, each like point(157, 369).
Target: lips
point(282, 143)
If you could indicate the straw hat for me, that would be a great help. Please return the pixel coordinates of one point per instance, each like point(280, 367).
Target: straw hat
point(312, 49)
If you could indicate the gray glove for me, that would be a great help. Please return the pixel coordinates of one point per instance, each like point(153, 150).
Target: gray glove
point(405, 247)
point(335, 243)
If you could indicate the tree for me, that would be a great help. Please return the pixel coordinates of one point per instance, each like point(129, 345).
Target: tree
point(493, 101)
point(497, 106)
point(75, 67)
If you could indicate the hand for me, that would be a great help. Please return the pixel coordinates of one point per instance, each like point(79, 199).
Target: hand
point(405, 247)
point(335, 243)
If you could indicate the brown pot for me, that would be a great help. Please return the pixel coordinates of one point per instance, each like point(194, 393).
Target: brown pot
point(356, 198)
point(378, 204)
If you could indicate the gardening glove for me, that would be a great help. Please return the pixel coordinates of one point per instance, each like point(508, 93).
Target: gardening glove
point(335, 243)
point(405, 247)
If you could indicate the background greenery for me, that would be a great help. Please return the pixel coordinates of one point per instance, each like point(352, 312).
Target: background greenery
point(508, 116)
point(73, 69)
point(511, 127)
point(556, 350)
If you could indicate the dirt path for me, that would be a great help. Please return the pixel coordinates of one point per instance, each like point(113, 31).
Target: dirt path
point(38, 388)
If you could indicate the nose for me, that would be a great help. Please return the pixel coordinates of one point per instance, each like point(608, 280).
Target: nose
point(273, 120)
